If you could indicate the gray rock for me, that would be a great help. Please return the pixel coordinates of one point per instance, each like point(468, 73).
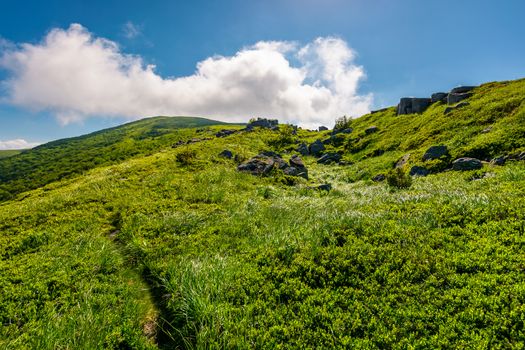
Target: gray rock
point(455, 98)
point(263, 123)
point(328, 158)
point(342, 131)
point(225, 132)
point(325, 187)
point(296, 161)
point(409, 105)
point(418, 171)
point(316, 147)
point(498, 160)
point(293, 171)
point(462, 89)
point(371, 130)
point(486, 130)
point(438, 97)
point(226, 154)
point(257, 166)
point(402, 161)
point(303, 149)
point(459, 105)
point(435, 152)
point(379, 178)
point(466, 163)
point(322, 128)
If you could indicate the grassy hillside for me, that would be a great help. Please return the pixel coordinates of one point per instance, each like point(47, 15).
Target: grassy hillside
point(65, 158)
point(8, 153)
point(177, 249)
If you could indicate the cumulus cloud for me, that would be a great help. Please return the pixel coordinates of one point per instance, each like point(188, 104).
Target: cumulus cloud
point(77, 75)
point(17, 144)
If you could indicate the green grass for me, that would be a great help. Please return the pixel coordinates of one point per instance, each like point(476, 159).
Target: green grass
point(9, 153)
point(176, 249)
point(70, 157)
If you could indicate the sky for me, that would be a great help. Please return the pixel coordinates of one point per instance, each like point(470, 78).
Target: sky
point(72, 67)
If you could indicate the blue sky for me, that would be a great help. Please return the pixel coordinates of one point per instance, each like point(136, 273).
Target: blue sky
point(405, 48)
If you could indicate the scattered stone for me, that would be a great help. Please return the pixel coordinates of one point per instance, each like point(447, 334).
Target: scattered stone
point(328, 158)
point(263, 163)
point(303, 149)
point(462, 89)
point(342, 131)
point(226, 154)
point(371, 130)
point(325, 187)
point(376, 153)
point(498, 160)
point(438, 97)
point(402, 161)
point(486, 130)
point(409, 105)
point(262, 123)
point(435, 152)
point(466, 163)
point(517, 156)
point(322, 128)
point(193, 140)
point(225, 132)
point(459, 105)
point(316, 147)
point(178, 144)
point(379, 178)
point(455, 98)
point(417, 170)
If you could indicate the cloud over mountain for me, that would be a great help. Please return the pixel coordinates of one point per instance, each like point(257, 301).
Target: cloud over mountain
point(76, 76)
point(17, 144)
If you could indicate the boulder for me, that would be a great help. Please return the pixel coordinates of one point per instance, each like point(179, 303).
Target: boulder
point(328, 158)
point(379, 178)
point(466, 163)
point(226, 154)
point(459, 105)
point(418, 171)
point(293, 171)
point(435, 152)
point(322, 128)
point(296, 161)
point(324, 187)
point(303, 149)
point(409, 105)
point(316, 147)
point(371, 130)
point(455, 98)
point(257, 166)
point(225, 132)
point(498, 160)
point(342, 131)
point(262, 123)
point(438, 97)
point(462, 89)
point(402, 161)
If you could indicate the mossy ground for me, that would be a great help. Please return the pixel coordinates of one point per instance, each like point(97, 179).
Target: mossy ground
point(158, 253)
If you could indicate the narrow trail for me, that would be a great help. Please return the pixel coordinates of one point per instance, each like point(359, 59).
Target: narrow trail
point(156, 326)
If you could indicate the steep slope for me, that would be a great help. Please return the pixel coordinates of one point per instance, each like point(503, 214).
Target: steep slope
point(64, 158)
point(180, 250)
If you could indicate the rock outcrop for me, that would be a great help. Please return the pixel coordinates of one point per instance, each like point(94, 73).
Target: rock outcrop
point(455, 98)
point(322, 128)
point(466, 163)
point(265, 162)
point(262, 123)
point(417, 170)
point(409, 105)
point(316, 148)
point(329, 158)
point(435, 152)
point(438, 97)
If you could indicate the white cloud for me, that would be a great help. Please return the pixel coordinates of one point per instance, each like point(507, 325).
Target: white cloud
point(17, 144)
point(76, 76)
point(131, 30)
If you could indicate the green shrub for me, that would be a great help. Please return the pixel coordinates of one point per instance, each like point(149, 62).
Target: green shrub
point(398, 178)
point(186, 157)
